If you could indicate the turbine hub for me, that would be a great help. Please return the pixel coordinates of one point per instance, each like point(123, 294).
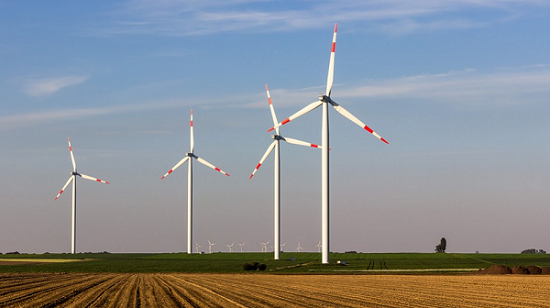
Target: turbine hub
point(324, 98)
point(278, 137)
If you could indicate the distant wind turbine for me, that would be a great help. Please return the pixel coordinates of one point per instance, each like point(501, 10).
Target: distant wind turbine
point(189, 157)
point(230, 247)
point(299, 248)
point(242, 246)
point(198, 247)
point(74, 174)
point(210, 244)
point(264, 246)
point(282, 246)
point(319, 247)
point(277, 173)
point(325, 100)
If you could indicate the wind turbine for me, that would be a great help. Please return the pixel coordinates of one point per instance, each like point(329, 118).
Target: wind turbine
point(277, 172)
point(299, 248)
point(319, 246)
point(197, 247)
point(282, 246)
point(74, 174)
point(264, 246)
point(325, 100)
point(242, 246)
point(210, 244)
point(230, 247)
point(189, 156)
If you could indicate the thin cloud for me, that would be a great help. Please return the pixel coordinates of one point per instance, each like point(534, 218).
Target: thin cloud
point(49, 86)
point(181, 18)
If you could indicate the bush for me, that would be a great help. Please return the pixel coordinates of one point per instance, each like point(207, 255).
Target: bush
point(250, 266)
point(262, 267)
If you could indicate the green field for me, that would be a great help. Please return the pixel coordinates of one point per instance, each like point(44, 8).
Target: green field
point(289, 263)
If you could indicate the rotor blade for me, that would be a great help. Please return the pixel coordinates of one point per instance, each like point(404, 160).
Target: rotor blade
point(273, 115)
point(355, 120)
point(72, 156)
point(63, 189)
point(181, 162)
point(269, 149)
point(87, 177)
point(330, 76)
point(204, 162)
point(298, 114)
point(192, 135)
point(300, 142)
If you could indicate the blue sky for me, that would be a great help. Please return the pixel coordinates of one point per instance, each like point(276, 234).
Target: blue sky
point(459, 88)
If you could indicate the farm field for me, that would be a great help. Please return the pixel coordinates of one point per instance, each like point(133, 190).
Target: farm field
point(252, 290)
point(289, 263)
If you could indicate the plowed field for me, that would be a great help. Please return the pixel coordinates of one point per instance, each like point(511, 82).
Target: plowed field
point(225, 290)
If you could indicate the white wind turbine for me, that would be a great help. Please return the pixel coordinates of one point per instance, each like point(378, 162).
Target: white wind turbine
point(277, 172)
point(242, 246)
point(74, 174)
point(264, 246)
point(210, 244)
point(299, 248)
point(197, 247)
point(282, 246)
point(230, 247)
point(319, 245)
point(325, 100)
point(189, 157)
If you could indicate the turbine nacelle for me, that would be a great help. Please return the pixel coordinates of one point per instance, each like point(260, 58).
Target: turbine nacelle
point(278, 137)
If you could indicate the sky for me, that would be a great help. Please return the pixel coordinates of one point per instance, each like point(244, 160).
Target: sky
point(459, 88)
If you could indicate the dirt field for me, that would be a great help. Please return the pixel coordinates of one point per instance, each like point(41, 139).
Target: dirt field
point(212, 290)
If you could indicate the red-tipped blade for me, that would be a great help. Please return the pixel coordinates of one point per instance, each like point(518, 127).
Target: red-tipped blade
point(330, 77)
point(65, 186)
point(298, 114)
point(204, 162)
point(355, 120)
point(266, 154)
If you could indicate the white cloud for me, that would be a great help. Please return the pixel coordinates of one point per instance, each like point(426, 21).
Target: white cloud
point(48, 86)
point(177, 18)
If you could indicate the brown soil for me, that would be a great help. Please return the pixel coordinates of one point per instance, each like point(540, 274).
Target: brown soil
point(533, 270)
point(217, 290)
point(496, 270)
point(520, 270)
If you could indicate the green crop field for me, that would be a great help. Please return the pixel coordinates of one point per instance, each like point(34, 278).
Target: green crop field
point(289, 263)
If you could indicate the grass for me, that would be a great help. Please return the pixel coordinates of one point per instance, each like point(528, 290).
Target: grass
point(290, 262)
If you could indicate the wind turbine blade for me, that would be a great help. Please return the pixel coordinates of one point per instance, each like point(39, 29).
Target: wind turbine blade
point(63, 189)
point(87, 177)
point(273, 115)
point(330, 76)
point(269, 149)
point(298, 114)
point(300, 142)
point(204, 162)
point(355, 120)
point(192, 138)
point(72, 156)
point(181, 162)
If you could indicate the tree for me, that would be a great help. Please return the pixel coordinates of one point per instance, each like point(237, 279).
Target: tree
point(442, 246)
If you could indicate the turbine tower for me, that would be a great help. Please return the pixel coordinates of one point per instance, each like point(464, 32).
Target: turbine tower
point(242, 246)
point(74, 174)
point(230, 247)
point(210, 244)
point(277, 172)
point(325, 100)
point(189, 157)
